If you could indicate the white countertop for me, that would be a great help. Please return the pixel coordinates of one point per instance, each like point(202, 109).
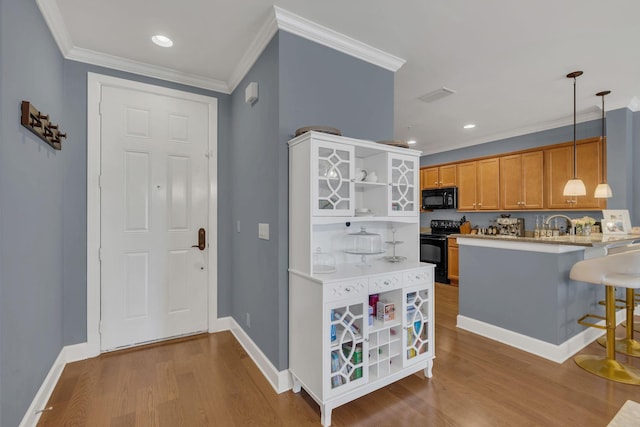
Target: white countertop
point(374, 267)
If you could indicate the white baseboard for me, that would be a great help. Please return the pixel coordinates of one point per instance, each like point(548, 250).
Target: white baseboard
point(41, 398)
point(556, 353)
point(279, 380)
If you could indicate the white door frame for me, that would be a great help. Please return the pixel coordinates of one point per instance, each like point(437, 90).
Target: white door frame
point(95, 82)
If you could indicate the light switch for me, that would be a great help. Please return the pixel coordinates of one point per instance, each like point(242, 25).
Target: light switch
point(263, 231)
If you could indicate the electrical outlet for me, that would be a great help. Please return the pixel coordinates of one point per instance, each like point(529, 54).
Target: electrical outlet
point(248, 320)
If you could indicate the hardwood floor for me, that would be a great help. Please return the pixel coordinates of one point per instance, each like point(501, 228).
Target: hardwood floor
point(210, 381)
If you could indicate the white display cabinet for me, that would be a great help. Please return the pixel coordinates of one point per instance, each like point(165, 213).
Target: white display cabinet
point(349, 175)
point(337, 353)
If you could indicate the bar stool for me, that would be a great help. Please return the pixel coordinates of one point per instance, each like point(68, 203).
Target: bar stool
point(621, 270)
point(626, 345)
point(636, 325)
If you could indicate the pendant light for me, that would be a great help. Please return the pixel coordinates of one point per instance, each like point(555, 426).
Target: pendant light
point(575, 186)
point(603, 190)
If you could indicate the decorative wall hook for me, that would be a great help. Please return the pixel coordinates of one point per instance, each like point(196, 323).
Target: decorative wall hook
point(40, 125)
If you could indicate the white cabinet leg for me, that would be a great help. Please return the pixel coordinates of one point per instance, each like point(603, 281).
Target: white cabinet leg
point(297, 385)
point(428, 370)
point(325, 415)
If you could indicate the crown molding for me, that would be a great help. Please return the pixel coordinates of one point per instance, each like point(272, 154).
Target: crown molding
point(539, 127)
point(302, 27)
point(52, 16)
point(280, 19)
point(130, 66)
point(259, 43)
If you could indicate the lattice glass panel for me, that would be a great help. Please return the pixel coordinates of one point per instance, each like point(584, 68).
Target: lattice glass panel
point(418, 316)
point(333, 179)
point(346, 345)
point(402, 191)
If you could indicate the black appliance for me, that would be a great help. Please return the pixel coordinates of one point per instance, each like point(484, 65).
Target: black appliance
point(434, 246)
point(440, 198)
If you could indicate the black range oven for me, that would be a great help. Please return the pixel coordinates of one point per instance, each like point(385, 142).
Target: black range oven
point(433, 246)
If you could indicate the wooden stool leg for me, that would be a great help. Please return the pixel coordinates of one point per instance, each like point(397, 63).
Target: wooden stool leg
point(608, 367)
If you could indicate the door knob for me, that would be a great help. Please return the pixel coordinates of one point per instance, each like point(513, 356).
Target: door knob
point(202, 240)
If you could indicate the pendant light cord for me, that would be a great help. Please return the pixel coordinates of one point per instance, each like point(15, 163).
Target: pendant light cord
point(604, 178)
point(575, 159)
point(603, 94)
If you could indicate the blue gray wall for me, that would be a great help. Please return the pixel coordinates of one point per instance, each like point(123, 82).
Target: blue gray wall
point(31, 206)
point(43, 206)
point(254, 172)
point(536, 298)
point(75, 200)
point(300, 83)
point(621, 140)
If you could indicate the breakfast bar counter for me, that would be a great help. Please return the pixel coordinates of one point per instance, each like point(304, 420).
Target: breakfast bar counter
point(517, 290)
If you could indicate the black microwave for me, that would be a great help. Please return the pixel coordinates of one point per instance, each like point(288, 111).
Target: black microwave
point(440, 198)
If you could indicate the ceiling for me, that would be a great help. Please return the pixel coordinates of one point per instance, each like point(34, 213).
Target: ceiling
point(506, 60)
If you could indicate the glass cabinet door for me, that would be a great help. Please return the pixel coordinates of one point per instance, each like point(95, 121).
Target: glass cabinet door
point(332, 179)
point(403, 197)
point(418, 328)
point(347, 349)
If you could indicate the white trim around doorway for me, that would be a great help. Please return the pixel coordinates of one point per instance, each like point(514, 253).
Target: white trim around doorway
point(95, 82)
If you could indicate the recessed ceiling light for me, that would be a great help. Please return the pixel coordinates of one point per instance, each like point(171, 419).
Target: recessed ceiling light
point(469, 126)
point(163, 41)
point(411, 141)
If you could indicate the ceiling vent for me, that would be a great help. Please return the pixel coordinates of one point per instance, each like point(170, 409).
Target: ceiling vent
point(437, 94)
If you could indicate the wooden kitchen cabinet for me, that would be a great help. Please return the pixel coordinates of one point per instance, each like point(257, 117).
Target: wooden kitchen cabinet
point(452, 255)
point(438, 176)
point(559, 169)
point(479, 185)
point(522, 181)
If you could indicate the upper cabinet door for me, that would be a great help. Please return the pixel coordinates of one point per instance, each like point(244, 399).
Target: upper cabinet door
point(532, 180)
point(488, 191)
point(448, 176)
point(467, 186)
point(590, 172)
point(521, 181)
point(332, 179)
point(511, 182)
point(403, 185)
point(429, 178)
point(559, 169)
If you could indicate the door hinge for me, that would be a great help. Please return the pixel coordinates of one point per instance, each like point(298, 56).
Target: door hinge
point(100, 254)
point(100, 327)
point(100, 108)
point(209, 154)
point(100, 180)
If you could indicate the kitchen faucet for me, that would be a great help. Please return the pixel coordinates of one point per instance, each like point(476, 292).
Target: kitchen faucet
point(572, 230)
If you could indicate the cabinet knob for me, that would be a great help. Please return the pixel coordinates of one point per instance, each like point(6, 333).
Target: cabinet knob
point(479, 204)
point(347, 289)
point(387, 283)
point(436, 182)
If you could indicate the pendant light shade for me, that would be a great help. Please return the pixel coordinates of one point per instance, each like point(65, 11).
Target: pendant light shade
point(575, 186)
point(603, 190)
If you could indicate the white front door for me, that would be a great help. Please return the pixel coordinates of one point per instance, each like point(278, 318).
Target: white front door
point(153, 201)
